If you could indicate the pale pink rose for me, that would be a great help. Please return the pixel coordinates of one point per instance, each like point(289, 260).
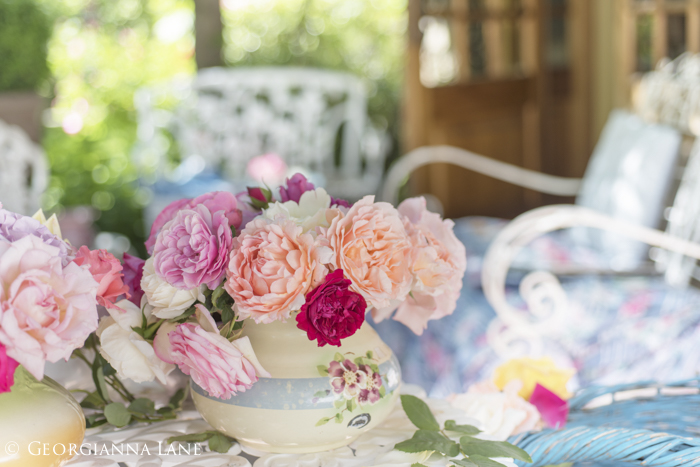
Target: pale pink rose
point(215, 201)
point(267, 168)
point(46, 310)
point(273, 265)
point(502, 414)
point(107, 271)
point(437, 260)
point(220, 367)
point(192, 249)
point(370, 245)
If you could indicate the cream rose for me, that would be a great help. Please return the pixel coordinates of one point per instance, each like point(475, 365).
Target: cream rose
point(308, 213)
point(501, 414)
point(167, 301)
point(129, 353)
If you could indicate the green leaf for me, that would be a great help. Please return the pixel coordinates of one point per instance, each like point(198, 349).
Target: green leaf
point(451, 425)
point(463, 462)
point(419, 413)
point(217, 294)
point(482, 461)
point(359, 361)
point(220, 443)
point(339, 403)
point(227, 314)
point(323, 421)
point(424, 440)
point(178, 398)
point(370, 355)
point(93, 401)
point(321, 393)
point(192, 438)
point(117, 414)
point(374, 367)
point(142, 406)
point(477, 447)
point(339, 418)
point(382, 391)
point(151, 330)
point(107, 369)
point(351, 405)
point(98, 376)
point(322, 370)
point(338, 357)
point(183, 317)
point(418, 464)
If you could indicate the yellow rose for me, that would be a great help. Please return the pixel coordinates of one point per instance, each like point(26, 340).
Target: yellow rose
point(531, 372)
point(51, 223)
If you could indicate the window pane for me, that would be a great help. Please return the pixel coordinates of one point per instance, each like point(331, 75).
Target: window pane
point(676, 35)
point(644, 40)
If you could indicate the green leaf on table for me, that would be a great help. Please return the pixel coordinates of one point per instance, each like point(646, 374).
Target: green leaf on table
point(142, 406)
point(478, 447)
point(220, 443)
point(322, 370)
point(425, 440)
point(178, 398)
point(117, 414)
point(419, 413)
point(167, 413)
point(463, 462)
point(323, 421)
point(451, 425)
point(192, 438)
point(482, 461)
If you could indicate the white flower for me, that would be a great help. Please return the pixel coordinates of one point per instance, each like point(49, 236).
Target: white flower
point(309, 213)
point(129, 354)
point(167, 301)
point(501, 414)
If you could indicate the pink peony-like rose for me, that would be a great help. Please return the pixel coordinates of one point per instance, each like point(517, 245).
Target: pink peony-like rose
point(332, 311)
point(297, 185)
point(273, 265)
point(192, 249)
point(370, 245)
point(215, 201)
point(370, 394)
point(220, 367)
point(437, 260)
point(133, 273)
point(7, 370)
point(46, 310)
point(107, 271)
point(347, 378)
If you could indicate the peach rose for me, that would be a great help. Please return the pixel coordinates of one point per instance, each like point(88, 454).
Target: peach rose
point(370, 245)
point(46, 310)
point(272, 266)
point(107, 271)
point(437, 260)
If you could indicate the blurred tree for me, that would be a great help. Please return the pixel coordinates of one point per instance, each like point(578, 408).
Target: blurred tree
point(365, 37)
point(100, 53)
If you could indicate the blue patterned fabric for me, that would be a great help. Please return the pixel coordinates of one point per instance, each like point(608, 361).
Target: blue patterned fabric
point(620, 329)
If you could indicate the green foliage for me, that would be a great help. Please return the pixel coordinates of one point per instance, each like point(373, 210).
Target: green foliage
point(218, 441)
point(364, 37)
point(469, 452)
point(24, 32)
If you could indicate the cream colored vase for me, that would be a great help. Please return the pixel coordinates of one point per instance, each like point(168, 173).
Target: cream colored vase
point(318, 398)
point(40, 423)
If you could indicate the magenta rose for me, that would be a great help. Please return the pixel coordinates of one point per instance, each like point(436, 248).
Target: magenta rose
point(133, 273)
point(332, 311)
point(7, 370)
point(340, 202)
point(192, 249)
point(296, 186)
point(215, 201)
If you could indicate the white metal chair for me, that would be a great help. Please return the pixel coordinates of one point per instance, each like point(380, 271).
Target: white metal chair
point(314, 119)
point(23, 171)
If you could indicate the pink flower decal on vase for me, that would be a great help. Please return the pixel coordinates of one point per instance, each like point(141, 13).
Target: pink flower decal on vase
point(332, 311)
point(192, 249)
point(7, 370)
point(346, 378)
point(107, 271)
point(371, 393)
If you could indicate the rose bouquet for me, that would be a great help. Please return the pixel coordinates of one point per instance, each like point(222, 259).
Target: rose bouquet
point(295, 254)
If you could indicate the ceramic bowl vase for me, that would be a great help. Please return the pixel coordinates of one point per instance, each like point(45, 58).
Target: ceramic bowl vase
point(318, 398)
point(39, 422)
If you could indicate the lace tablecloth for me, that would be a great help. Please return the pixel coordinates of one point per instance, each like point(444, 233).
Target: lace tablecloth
point(145, 446)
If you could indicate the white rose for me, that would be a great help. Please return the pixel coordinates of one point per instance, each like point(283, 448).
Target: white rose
point(309, 213)
point(167, 301)
point(129, 353)
point(501, 414)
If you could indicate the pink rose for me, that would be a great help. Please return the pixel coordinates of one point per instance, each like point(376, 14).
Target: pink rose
point(215, 201)
point(46, 310)
point(332, 312)
point(220, 367)
point(296, 186)
point(267, 168)
point(437, 260)
point(192, 249)
point(273, 264)
point(106, 270)
point(7, 371)
point(370, 245)
point(133, 273)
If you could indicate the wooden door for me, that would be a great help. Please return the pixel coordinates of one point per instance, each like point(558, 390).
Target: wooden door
point(494, 77)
